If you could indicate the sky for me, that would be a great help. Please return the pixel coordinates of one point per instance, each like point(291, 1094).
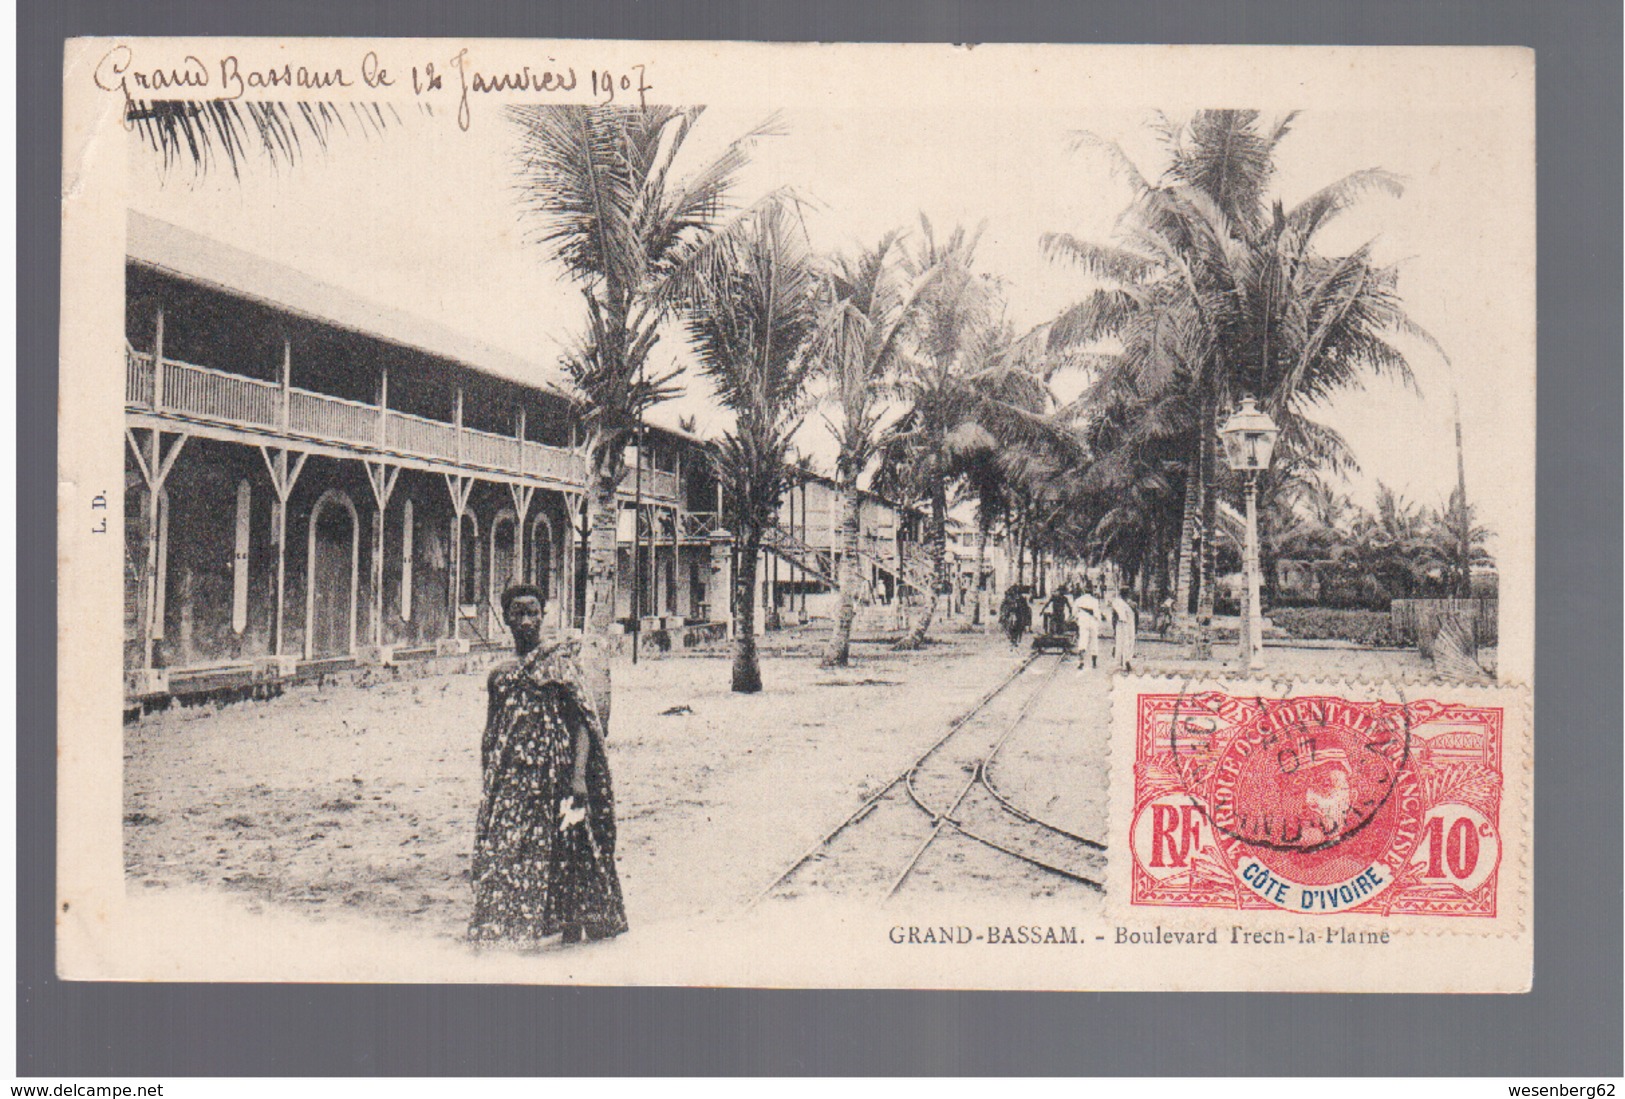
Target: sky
point(426, 217)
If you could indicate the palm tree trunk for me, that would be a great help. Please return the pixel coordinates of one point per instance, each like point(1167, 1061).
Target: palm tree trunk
point(1207, 446)
point(600, 616)
point(839, 652)
point(747, 672)
point(981, 566)
point(770, 590)
point(938, 535)
point(1021, 552)
point(1187, 545)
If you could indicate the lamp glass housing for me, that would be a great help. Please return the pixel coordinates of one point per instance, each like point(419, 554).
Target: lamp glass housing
point(1249, 438)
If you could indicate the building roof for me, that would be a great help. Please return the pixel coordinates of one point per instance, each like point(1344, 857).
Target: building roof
point(166, 247)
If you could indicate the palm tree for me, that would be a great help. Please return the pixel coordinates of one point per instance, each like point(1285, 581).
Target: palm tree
point(1221, 293)
point(1460, 542)
point(957, 305)
point(869, 306)
point(750, 309)
point(600, 184)
point(1159, 304)
point(986, 471)
point(992, 390)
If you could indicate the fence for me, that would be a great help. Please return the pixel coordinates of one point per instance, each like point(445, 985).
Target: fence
point(1417, 620)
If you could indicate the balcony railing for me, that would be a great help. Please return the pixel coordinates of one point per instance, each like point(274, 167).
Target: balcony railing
point(700, 524)
point(554, 462)
point(415, 435)
point(658, 482)
point(202, 393)
point(481, 448)
point(327, 418)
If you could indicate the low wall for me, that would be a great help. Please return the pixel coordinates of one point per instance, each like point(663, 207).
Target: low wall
point(243, 682)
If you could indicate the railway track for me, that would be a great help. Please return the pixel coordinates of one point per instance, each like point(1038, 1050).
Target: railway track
point(946, 795)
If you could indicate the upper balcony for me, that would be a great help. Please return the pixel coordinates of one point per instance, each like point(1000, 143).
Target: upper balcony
point(203, 394)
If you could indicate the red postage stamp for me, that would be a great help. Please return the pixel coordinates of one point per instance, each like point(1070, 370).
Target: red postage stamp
point(1317, 805)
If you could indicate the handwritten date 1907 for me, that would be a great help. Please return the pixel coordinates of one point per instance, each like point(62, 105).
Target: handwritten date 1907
point(604, 84)
point(229, 78)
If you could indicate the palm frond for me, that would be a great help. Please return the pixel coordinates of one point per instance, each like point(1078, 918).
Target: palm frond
point(202, 133)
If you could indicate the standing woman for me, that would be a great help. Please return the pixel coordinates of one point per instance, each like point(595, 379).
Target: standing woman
point(544, 842)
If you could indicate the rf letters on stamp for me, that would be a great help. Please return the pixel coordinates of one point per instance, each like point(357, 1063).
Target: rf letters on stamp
point(709, 513)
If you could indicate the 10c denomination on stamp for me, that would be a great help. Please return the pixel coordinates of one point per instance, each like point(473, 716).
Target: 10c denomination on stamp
point(1317, 804)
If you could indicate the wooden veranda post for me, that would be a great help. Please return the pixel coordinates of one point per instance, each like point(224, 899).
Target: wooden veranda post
point(158, 361)
point(677, 542)
point(382, 479)
point(459, 488)
point(154, 466)
point(383, 408)
point(286, 383)
point(283, 478)
point(522, 495)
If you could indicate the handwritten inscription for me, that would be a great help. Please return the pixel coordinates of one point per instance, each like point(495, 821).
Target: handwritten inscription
point(231, 77)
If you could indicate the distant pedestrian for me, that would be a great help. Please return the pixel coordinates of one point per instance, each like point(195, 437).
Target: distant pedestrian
point(1088, 610)
point(1122, 631)
point(544, 841)
point(1057, 613)
point(1015, 616)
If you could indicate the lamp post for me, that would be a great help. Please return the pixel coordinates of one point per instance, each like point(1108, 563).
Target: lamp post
point(634, 455)
point(1249, 440)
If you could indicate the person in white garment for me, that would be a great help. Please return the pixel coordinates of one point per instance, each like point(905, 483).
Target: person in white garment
point(1122, 631)
point(1087, 607)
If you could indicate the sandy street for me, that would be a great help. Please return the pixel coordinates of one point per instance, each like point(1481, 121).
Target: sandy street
point(361, 800)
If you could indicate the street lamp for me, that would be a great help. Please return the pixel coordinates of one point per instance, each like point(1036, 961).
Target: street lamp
point(1249, 439)
point(632, 455)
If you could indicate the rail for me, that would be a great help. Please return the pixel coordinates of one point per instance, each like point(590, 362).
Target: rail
point(1018, 829)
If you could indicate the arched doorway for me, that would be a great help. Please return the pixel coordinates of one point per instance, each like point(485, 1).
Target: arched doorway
point(331, 570)
point(504, 562)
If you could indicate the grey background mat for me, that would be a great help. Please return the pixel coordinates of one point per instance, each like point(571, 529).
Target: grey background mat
point(1569, 1025)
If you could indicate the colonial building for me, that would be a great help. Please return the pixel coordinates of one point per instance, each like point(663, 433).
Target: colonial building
point(312, 477)
point(805, 553)
point(315, 481)
point(978, 566)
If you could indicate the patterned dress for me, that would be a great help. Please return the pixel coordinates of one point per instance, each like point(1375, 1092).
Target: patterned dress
point(532, 878)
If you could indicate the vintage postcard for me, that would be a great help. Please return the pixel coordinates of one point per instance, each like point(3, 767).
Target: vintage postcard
point(793, 515)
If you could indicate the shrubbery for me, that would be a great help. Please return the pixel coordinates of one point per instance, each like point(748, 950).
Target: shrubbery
point(1374, 628)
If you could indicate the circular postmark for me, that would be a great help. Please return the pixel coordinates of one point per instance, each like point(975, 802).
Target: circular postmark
point(1308, 802)
point(1308, 774)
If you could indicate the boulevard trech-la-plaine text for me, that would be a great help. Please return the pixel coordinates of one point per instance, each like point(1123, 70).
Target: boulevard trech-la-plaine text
point(1070, 935)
